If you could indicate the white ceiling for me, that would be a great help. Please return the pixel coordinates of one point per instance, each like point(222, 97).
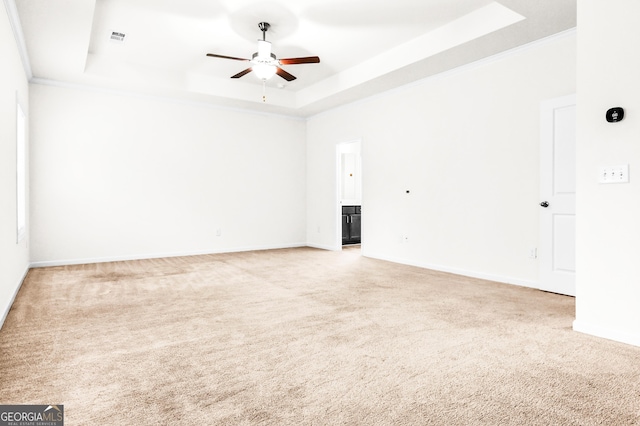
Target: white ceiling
point(365, 46)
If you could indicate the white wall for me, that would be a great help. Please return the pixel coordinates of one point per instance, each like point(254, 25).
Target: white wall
point(466, 146)
point(608, 219)
point(118, 177)
point(14, 257)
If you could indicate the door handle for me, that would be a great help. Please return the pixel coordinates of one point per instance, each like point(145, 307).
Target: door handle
point(544, 204)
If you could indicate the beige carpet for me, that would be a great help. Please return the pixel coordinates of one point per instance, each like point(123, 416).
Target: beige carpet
point(305, 337)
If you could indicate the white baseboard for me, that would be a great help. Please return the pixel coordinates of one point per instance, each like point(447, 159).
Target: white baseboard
point(7, 308)
point(458, 271)
point(606, 333)
point(83, 261)
point(324, 247)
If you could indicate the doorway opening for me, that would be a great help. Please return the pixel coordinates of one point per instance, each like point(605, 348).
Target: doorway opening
point(349, 168)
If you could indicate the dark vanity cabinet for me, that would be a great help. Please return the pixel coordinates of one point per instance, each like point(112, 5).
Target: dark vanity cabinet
point(351, 224)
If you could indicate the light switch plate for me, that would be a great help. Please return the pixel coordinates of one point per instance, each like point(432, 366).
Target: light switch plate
point(614, 174)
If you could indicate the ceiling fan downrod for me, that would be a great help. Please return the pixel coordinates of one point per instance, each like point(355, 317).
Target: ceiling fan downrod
point(264, 27)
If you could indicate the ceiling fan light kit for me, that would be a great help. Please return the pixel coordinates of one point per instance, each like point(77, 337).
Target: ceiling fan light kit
point(264, 63)
point(264, 71)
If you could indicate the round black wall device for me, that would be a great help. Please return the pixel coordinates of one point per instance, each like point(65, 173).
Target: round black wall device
point(615, 114)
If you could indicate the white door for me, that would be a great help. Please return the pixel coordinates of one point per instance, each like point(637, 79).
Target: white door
point(557, 254)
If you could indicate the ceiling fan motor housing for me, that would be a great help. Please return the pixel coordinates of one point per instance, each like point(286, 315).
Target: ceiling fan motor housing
point(264, 51)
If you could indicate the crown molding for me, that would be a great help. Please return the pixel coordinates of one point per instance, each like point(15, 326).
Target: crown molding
point(157, 98)
point(571, 32)
point(16, 27)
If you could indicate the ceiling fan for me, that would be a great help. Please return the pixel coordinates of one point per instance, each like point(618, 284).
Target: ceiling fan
point(264, 63)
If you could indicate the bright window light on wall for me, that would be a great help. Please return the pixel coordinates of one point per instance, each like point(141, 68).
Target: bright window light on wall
point(21, 173)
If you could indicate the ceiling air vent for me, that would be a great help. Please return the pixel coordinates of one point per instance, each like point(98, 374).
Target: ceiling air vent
point(117, 37)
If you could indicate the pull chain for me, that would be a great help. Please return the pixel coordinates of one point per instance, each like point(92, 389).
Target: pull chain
point(264, 96)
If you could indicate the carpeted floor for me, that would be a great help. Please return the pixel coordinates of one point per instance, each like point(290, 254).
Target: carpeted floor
point(305, 337)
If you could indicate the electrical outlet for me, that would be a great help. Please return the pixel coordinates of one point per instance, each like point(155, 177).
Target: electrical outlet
point(614, 174)
point(533, 253)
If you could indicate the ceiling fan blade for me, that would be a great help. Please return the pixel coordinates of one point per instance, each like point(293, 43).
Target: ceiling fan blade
point(213, 55)
point(305, 60)
point(282, 73)
point(241, 73)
